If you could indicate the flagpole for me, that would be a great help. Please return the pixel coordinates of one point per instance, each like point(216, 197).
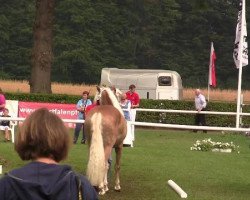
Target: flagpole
point(239, 92)
point(208, 91)
point(240, 65)
point(209, 71)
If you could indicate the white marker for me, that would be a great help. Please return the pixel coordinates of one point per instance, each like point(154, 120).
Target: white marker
point(177, 188)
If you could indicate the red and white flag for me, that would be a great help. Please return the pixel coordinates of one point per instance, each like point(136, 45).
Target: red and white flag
point(212, 74)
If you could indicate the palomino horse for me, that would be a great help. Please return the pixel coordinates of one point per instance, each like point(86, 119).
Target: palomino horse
point(105, 128)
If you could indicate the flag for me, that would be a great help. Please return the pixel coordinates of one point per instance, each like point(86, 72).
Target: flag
point(240, 45)
point(212, 75)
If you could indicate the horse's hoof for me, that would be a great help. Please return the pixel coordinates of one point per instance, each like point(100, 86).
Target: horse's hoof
point(106, 188)
point(102, 192)
point(117, 188)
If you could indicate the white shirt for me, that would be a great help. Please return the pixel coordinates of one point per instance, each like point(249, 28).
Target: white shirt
point(200, 102)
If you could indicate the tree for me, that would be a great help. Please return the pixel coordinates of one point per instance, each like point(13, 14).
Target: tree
point(42, 54)
point(16, 19)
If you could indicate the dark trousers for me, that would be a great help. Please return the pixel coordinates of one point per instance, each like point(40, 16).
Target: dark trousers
point(200, 120)
point(78, 128)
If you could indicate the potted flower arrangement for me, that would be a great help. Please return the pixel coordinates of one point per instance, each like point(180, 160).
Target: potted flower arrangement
point(208, 145)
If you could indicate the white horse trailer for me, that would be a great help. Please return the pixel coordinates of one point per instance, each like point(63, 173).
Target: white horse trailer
point(150, 83)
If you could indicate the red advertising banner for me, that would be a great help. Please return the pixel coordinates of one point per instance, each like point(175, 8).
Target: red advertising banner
point(64, 111)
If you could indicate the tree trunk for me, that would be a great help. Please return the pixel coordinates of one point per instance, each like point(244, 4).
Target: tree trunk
point(42, 54)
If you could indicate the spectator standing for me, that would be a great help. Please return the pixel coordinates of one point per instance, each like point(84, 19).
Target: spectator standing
point(5, 125)
point(200, 105)
point(2, 100)
point(44, 139)
point(81, 107)
point(134, 98)
point(126, 106)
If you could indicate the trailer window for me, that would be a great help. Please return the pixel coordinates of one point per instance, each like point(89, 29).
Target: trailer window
point(164, 81)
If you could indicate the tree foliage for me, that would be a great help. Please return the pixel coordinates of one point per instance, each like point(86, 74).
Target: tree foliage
point(155, 34)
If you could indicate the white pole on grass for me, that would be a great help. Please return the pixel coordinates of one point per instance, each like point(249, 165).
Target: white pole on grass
point(177, 189)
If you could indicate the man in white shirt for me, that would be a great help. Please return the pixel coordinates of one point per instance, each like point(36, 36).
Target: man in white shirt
point(200, 105)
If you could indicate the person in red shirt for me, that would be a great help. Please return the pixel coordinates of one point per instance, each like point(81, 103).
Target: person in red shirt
point(134, 98)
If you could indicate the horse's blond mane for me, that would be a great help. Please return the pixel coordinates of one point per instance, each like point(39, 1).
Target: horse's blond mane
point(113, 99)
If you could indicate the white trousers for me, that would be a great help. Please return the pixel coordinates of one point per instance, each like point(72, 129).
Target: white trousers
point(130, 129)
point(128, 139)
point(132, 117)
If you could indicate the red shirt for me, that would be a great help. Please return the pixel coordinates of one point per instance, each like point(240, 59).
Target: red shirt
point(88, 108)
point(133, 97)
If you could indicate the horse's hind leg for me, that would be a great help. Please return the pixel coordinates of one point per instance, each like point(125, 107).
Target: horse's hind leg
point(103, 188)
point(118, 151)
point(108, 152)
point(106, 188)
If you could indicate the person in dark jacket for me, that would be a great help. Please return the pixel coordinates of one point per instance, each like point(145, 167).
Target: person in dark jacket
point(45, 141)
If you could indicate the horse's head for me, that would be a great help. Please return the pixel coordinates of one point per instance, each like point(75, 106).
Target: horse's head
point(107, 97)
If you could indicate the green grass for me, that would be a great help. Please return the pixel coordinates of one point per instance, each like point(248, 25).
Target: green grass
point(160, 155)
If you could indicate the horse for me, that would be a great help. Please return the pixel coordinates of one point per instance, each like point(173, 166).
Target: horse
point(105, 128)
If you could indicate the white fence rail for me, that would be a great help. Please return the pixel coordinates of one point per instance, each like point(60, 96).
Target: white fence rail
point(190, 127)
point(191, 112)
point(172, 126)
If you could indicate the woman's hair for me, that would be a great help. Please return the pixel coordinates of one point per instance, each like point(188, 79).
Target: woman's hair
point(132, 86)
point(85, 92)
point(123, 96)
point(43, 134)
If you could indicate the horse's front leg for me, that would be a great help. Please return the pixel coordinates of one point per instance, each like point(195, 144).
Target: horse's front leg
point(118, 151)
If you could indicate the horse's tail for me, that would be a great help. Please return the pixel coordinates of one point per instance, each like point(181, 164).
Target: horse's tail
point(96, 163)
